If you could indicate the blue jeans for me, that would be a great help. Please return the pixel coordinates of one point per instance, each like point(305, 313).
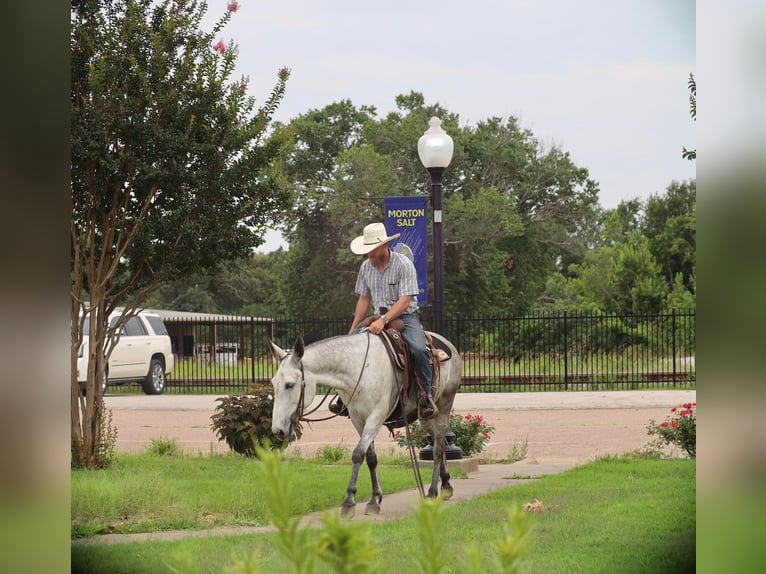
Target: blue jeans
point(416, 341)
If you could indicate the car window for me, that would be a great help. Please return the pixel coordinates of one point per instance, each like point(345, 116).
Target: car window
point(157, 325)
point(135, 328)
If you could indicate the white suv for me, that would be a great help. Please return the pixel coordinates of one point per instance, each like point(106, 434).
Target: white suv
point(142, 354)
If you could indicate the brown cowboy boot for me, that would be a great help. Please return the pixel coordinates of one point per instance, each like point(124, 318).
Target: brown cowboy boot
point(337, 407)
point(426, 406)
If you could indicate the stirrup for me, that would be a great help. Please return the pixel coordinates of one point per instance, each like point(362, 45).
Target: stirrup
point(337, 407)
point(426, 407)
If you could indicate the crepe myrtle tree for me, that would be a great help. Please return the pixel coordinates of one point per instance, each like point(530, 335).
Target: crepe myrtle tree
point(174, 169)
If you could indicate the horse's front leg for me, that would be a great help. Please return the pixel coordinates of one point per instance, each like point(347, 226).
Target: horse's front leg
point(367, 432)
point(348, 508)
point(373, 507)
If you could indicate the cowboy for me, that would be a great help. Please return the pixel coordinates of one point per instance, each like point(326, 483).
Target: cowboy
point(389, 282)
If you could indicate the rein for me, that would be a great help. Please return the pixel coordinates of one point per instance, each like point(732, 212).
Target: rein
point(300, 416)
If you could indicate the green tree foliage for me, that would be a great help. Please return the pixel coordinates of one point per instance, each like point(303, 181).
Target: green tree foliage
point(241, 287)
point(476, 250)
point(643, 262)
point(691, 154)
point(512, 208)
point(670, 224)
point(173, 167)
point(639, 287)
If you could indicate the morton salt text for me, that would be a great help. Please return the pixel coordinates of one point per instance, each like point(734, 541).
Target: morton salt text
point(406, 217)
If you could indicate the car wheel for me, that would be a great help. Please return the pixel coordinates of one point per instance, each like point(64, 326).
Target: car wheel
point(154, 383)
point(104, 385)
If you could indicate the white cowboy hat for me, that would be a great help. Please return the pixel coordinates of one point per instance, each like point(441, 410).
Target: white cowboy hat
point(374, 236)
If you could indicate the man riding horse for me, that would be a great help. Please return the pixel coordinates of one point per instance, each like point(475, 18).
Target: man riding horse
point(389, 282)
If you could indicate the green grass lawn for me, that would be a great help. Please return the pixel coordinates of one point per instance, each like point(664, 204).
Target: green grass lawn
point(149, 493)
point(621, 514)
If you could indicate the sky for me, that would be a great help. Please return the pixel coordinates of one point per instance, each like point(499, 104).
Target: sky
point(605, 80)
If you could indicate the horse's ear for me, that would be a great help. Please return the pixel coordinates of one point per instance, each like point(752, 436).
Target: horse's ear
point(277, 353)
point(298, 348)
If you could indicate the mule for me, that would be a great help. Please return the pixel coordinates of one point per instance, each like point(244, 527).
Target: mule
point(359, 369)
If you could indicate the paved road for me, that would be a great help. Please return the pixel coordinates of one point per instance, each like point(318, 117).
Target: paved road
point(560, 427)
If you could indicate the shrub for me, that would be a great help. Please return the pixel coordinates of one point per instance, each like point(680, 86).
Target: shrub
point(164, 446)
point(679, 428)
point(332, 454)
point(107, 439)
point(472, 433)
point(244, 420)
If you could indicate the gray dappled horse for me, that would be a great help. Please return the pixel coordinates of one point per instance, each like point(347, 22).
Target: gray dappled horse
point(358, 367)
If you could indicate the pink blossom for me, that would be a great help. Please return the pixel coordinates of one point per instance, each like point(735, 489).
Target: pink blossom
point(487, 435)
point(674, 424)
point(664, 424)
point(468, 417)
point(232, 6)
point(673, 410)
point(219, 47)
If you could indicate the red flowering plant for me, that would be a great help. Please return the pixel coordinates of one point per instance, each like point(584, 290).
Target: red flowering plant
point(679, 428)
point(472, 433)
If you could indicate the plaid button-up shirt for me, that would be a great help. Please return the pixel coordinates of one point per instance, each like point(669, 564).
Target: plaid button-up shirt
point(399, 278)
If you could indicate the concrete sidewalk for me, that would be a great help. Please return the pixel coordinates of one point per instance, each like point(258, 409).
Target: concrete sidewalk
point(463, 401)
point(557, 431)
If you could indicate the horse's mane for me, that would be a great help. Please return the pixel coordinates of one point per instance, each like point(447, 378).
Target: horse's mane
point(330, 339)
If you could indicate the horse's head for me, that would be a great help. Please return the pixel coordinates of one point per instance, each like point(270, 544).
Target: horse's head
point(289, 390)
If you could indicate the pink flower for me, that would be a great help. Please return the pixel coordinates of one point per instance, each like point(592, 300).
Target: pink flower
point(674, 424)
point(664, 424)
point(487, 435)
point(673, 410)
point(468, 417)
point(687, 405)
point(219, 47)
point(232, 6)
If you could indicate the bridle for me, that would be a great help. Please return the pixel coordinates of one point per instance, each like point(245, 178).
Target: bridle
point(300, 416)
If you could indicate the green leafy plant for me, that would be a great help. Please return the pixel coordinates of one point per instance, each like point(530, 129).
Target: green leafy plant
point(679, 428)
point(472, 433)
point(244, 420)
point(164, 446)
point(333, 454)
point(107, 439)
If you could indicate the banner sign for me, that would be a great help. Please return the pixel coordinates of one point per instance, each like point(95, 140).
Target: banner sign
point(407, 215)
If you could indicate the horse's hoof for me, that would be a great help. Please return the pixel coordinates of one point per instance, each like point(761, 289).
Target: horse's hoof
point(447, 493)
point(348, 511)
point(372, 508)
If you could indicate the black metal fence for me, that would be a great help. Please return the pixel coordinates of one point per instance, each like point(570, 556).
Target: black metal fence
point(563, 351)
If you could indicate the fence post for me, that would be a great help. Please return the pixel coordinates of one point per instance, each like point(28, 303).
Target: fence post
point(673, 344)
point(457, 331)
point(566, 354)
point(252, 350)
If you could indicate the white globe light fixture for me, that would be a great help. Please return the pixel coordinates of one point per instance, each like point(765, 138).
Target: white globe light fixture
point(435, 146)
point(435, 149)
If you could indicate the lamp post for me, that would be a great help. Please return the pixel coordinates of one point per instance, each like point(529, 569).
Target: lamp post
point(435, 149)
